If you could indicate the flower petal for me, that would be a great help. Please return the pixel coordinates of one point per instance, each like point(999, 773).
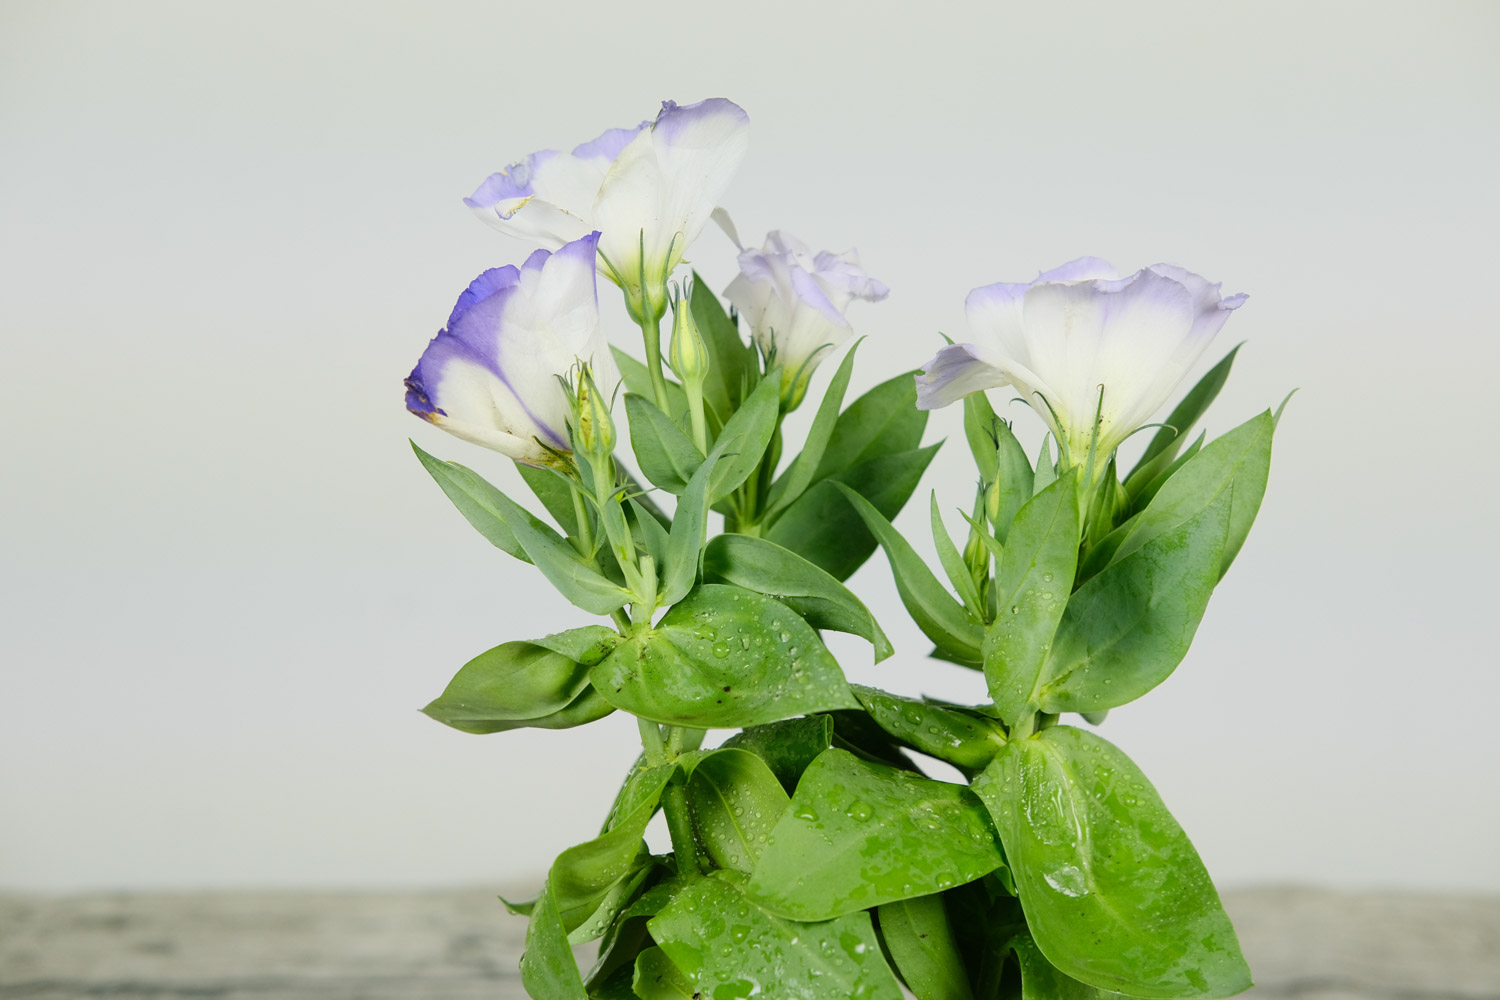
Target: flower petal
point(956, 371)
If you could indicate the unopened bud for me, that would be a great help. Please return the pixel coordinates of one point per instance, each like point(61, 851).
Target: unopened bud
point(595, 426)
point(688, 354)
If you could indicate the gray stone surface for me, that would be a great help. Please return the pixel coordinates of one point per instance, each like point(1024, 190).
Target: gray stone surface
point(462, 945)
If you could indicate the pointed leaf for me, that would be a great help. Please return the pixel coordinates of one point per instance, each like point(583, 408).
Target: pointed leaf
point(1032, 584)
point(882, 422)
point(689, 522)
point(637, 379)
point(859, 834)
point(1166, 442)
point(551, 488)
point(665, 454)
point(952, 562)
point(941, 618)
point(723, 658)
point(744, 439)
point(763, 566)
point(1113, 891)
point(547, 968)
point(979, 428)
point(1125, 631)
point(656, 978)
point(824, 529)
point(964, 740)
point(475, 500)
point(787, 746)
point(799, 475)
point(1014, 481)
point(732, 365)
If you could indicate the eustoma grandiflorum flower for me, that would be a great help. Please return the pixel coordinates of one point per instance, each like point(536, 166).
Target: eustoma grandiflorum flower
point(649, 190)
point(794, 301)
point(492, 376)
point(1093, 353)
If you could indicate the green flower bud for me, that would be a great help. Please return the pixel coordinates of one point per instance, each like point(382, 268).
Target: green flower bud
point(688, 354)
point(594, 427)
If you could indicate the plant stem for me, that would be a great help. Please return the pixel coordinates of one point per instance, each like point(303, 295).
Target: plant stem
point(651, 333)
point(656, 752)
point(694, 389)
point(684, 845)
point(585, 526)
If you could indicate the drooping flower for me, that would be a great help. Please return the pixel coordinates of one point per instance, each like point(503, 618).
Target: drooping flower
point(648, 190)
point(794, 301)
point(1090, 351)
point(491, 376)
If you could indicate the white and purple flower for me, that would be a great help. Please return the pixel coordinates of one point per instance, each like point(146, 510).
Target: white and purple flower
point(648, 190)
point(491, 375)
point(794, 302)
point(1091, 352)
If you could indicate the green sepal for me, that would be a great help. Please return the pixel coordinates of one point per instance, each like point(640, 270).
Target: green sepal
point(735, 801)
point(1031, 588)
point(859, 834)
point(723, 657)
point(1128, 628)
point(823, 528)
point(475, 499)
point(799, 474)
point(940, 617)
point(667, 457)
point(761, 565)
point(966, 740)
point(788, 746)
point(917, 934)
point(1113, 891)
point(726, 944)
point(1169, 438)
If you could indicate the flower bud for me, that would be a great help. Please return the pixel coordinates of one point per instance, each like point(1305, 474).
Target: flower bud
point(688, 354)
point(595, 428)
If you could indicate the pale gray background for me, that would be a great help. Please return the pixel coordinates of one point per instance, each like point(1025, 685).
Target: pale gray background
point(227, 231)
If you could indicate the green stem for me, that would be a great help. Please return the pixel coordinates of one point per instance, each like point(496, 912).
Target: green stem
point(684, 844)
point(585, 535)
point(656, 751)
point(651, 333)
point(694, 388)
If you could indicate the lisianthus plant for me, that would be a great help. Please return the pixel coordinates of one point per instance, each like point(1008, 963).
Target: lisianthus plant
point(812, 855)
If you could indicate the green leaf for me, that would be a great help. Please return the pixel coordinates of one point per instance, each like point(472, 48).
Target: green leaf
point(1032, 584)
point(799, 474)
point(953, 562)
point(638, 380)
point(733, 949)
point(980, 430)
point(649, 532)
point(656, 978)
point(824, 529)
point(1166, 442)
point(548, 971)
point(1014, 481)
point(745, 437)
point(787, 746)
point(1125, 631)
point(723, 658)
point(884, 421)
point(552, 489)
point(1113, 891)
point(917, 933)
point(735, 802)
point(665, 454)
point(475, 500)
point(1140, 500)
point(763, 566)
point(857, 733)
point(574, 578)
point(1239, 461)
point(732, 365)
point(517, 683)
point(964, 740)
point(590, 882)
point(1045, 473)
point(941, 618)
point(685, 542)
point(859, 834)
